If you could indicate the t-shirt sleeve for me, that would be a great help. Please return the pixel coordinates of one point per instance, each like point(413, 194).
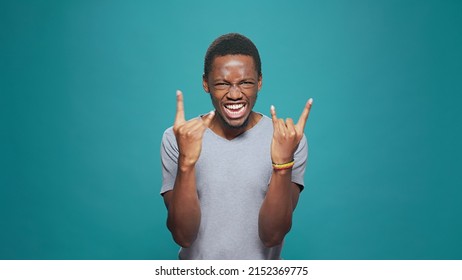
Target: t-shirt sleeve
point(300, 158)
point(169, 159)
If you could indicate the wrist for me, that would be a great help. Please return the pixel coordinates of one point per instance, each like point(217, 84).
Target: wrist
point(282, 172)
point(280, 159)
point(186, 165)
point(283, 166)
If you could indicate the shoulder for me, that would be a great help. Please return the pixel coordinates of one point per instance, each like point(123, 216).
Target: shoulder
point(168, 134)
point(169, 140)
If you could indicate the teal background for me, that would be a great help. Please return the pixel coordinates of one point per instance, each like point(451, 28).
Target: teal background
point(88, 87)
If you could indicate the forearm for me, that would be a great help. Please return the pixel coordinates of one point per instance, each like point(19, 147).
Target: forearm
point(275, 218)
point(184, 212)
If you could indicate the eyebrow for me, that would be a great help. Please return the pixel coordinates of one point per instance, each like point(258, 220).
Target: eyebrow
point(243, 80)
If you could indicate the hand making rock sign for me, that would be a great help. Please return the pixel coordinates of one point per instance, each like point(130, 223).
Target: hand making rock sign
point(287, 135)
point(189, 133)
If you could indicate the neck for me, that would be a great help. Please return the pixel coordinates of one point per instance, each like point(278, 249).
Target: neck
point(221, 128)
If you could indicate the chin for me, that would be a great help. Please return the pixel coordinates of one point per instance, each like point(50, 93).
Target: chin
point(235, 124)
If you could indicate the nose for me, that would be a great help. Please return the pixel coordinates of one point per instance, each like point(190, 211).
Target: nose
point(234, 92)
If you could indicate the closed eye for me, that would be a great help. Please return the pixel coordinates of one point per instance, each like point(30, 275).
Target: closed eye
point(222, 85)
point(247, 84)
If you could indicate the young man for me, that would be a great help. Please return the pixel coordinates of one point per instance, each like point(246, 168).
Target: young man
point(232, 177)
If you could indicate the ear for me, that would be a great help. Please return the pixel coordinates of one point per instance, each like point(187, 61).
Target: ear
point(260, 82)
point(205, 84)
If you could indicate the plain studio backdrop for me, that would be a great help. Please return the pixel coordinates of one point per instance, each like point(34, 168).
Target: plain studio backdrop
point(88, 87)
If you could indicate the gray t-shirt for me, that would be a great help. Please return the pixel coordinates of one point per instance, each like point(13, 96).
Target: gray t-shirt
point(232, 177)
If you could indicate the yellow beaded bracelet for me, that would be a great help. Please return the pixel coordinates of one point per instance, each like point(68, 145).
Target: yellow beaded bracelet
point(283, 166)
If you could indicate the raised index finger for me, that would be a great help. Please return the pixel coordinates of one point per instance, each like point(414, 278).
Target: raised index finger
point(179, 117)
point(304, 116)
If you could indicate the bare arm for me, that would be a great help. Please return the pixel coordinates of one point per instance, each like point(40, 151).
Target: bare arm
point(184, 211)
point(182, 202)
point(275, 217)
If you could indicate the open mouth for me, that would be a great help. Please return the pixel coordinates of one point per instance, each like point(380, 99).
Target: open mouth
point(235, 110)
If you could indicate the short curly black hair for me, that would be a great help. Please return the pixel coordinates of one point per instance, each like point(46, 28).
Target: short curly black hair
point(231, 44)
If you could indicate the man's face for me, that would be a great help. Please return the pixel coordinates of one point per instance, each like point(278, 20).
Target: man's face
point(233, 84)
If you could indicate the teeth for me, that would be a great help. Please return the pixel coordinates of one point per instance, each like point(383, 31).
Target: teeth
point(234, 106)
